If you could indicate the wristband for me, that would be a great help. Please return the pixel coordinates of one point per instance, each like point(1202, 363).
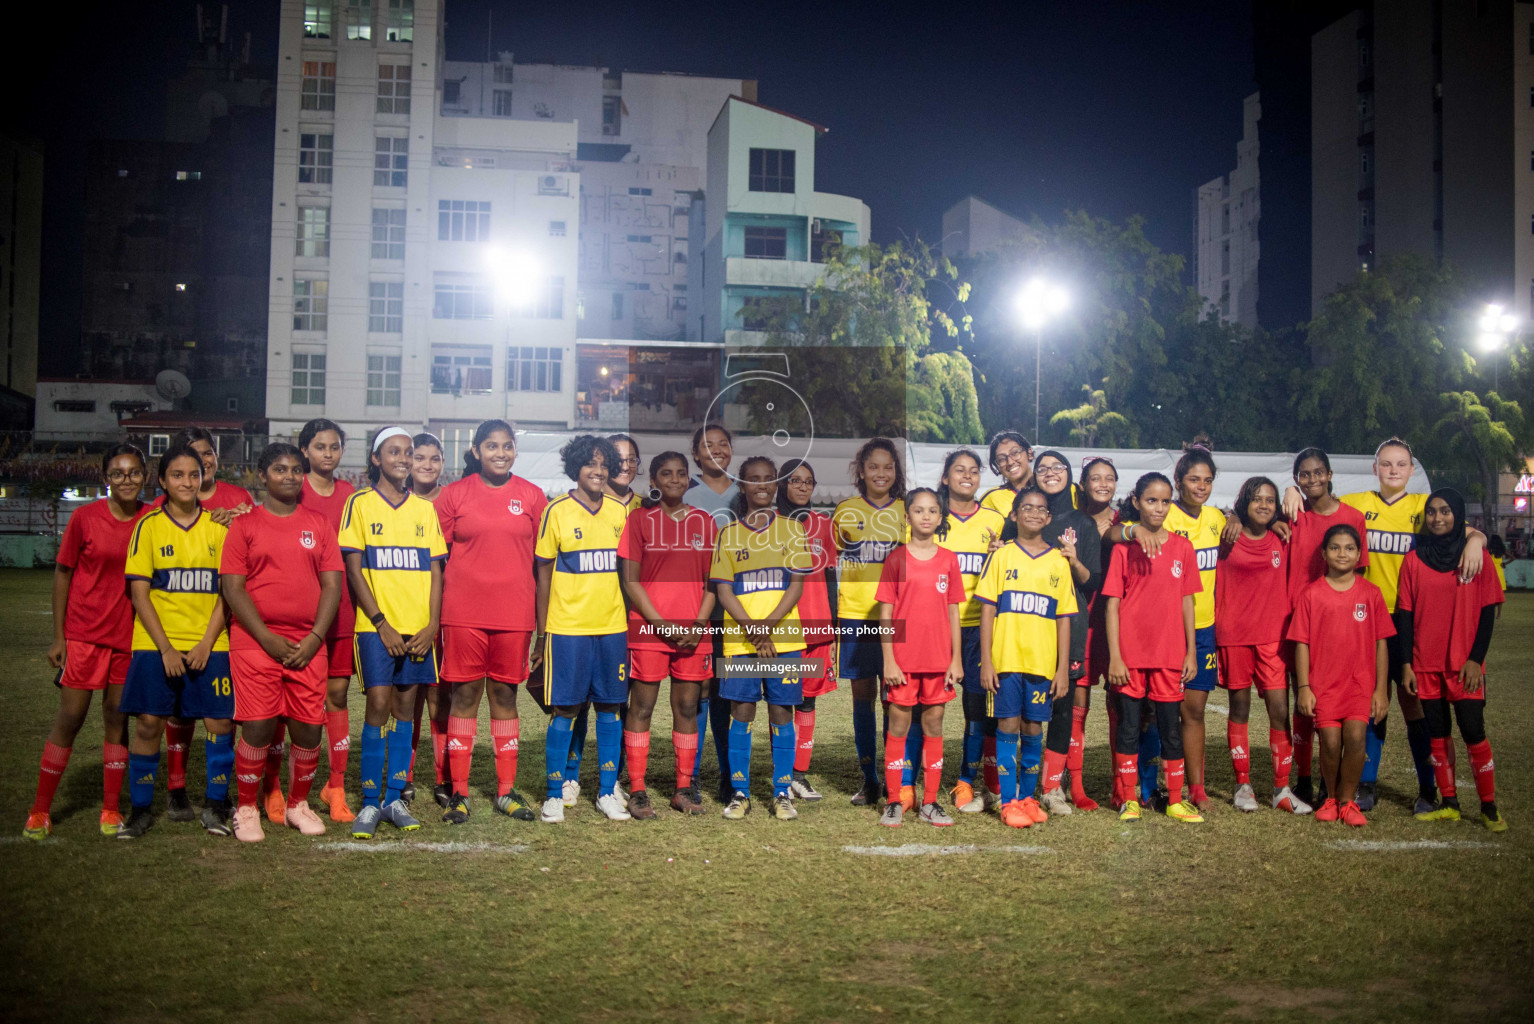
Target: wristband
point(317, 637)
point(376, 618)
point(1304, 686)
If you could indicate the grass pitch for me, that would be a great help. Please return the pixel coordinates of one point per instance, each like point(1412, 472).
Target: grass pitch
point(1245, 917)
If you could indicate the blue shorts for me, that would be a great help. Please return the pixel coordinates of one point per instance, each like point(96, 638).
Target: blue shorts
point(587, 668)
point(1208, 675)
point(201, 694)
point(781, 690)
point(862, 651)
point(969, 653)
point(1021, 695)
point(378, 667)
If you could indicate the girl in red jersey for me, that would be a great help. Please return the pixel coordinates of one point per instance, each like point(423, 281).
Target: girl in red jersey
point(1151, 647)
point(816, 611)
point(92, 635)
point(1099, 485)
point(490, 523)
point(1445, 628)
point(663, 559)
point(1251, 609)
point(1339, 628)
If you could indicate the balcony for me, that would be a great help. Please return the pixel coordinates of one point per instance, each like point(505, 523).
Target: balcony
point(770, 273)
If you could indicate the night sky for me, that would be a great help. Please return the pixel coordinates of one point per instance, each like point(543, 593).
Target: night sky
point(1117, 108)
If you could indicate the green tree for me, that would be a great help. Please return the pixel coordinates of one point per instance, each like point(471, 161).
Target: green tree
point(1474, 441)
point(1092, 424)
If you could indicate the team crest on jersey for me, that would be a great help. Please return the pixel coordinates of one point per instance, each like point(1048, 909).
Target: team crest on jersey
point(1278, 559)
point(306, 538)
point(942, 583)
point(697, 543)
point(1360, 612)
point(1177, 568)
point(212, 551)
point(1054, 579)
point(617, 531)
point(515, 508)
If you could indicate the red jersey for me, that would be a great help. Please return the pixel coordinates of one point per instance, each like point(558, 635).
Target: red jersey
point(490, 533)
point(95, 546)
point(815, 606)
point(225, 495)
point(1341, 627)
point(1150, 592)
point(673, 556)
point(1306, 563)
point(281, 558)
point(331, 508)
point(920, 594)
point(1445, 612)
point(1251, 599)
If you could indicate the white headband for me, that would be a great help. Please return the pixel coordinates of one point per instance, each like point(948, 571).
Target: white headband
point(388, 432)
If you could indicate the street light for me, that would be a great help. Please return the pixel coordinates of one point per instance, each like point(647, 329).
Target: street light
point(1497, 326)
point(1039, 302)
point(515, 275)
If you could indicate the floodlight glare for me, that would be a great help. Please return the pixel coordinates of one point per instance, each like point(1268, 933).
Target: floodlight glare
point(514, 274)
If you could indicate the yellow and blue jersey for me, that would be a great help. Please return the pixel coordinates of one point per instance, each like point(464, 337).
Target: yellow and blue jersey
point(1204, 534)
point(999, 500)
point(398, 544)
point(969, 538)
point(865, 535)
point(1030, 593)
point(1392, 534)
point(585, 598)
point(181, 565)
point(759, 565)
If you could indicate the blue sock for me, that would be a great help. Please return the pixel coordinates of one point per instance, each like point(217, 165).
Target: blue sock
point(142, 769)
point(1422, 758)
point(371, 764)
point(219, 754)
point(623, 715)
point(912, 751)
point(1150, 752)
point(863, 737)
point(577, 744)
point(556, 753)
point(972, 739)
point(400, 734)
point(719, 715)
point(740, 756)
point(1028, 764)
point(697, 768)
point(784, 743)
point(609, 744)
point(1374, 742)
point(1006, 765)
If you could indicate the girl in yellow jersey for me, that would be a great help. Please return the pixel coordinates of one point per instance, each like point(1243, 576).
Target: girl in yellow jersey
point(868, 528)
point(1012, 460)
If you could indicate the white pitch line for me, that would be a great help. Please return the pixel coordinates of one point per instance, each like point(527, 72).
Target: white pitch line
point(1383, 846)
point(387, 847)
point(923, 849)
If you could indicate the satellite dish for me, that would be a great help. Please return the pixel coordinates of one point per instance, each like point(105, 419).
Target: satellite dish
point(172, 384)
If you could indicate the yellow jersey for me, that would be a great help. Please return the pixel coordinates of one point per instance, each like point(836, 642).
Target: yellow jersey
point(999, 500)
point(633, 501)
point(759, 564)
point(1029, 592)
point(865, 535)
point(969, 538)
point(1204, 534)
point(181, 565)
point(1501, 576)
point(1392, 528)
point(585, 597)
point(398, 544)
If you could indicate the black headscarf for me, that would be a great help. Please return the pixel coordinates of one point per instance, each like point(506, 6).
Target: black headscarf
point(1441, 554)
point(1059, 504)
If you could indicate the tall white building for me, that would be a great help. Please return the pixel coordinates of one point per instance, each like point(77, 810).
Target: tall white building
point(1226, 215)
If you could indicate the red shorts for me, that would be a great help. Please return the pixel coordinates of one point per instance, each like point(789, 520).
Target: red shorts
point(819, 686)
point(694, 666)
point(264, 689)
point(1163, 684)
point(89, 666)
point(1246, 665)
point(921, 688)
point(470, 654)
point(1342, 703)
point(338, 654)
point(1446, 686)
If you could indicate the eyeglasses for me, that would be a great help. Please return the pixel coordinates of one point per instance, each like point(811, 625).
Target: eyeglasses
point(1032, 510)
point(118, 476)
point(1051, 469)
point(628, 462)
point(1012, 458)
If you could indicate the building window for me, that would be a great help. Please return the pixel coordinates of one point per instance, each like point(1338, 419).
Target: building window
point(391, 161)
point(556, 229)
point(188, 175)
point(1225, 219)
point(772, 170)
point(450, 93)
point(550, 301)
point(388, 234)
point(359, 19)
point(612, 115)
point(386, 309)
point(383, 379)
point(159, 444)
point(460, 220)
point(1364, 162)
point(641, 191)
point(79, 405)
point(617, 306)
point(461, 297)
point(317, 17)
point(401, 27)
point(313, 237)
point(318, 89)
point(460, 369)
point(231, 404)
point(311, 300)
point(308, 378)
point(1366, 218)
point(534, 369)
point(766, 243)
point(394, 88)
point(316, 158)
point(501, 103)
point(1225, 257)
point(501, 74)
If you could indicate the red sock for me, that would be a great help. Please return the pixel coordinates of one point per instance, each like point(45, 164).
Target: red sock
point(338, 735)
point(1283, 754)
point(988, 765)
point(114, 764)
point(686, 747)
point(804, 730)
point(439, 750)
point(1485, 770)
point(1073, 759)
point(504, 740)
point(415, 739)
point(55, 760)
point(460, 751)
point(1304, 745)
point(303, 765)
point(932, 768)
point(1054, 767)
point(1240, 751)
point(249, 768)
point(636, 746)
point(1449, 749)
point(894, 765)
point(1443, 774)
point(1174, 776)
point(1126, 777)
point(272, 780)
point(177, 739)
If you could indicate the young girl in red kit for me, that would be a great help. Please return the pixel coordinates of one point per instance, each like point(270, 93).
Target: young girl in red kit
point(921, 588)
point(1339, 628)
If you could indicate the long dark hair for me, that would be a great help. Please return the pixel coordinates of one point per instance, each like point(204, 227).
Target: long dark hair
point(941, 533)
point(878, 444)
point(313, 429)
point(1313, 453)
point(1249, 491)
point(1127, 511)
point(471, 463)
point(948, 461)
point(738, 503)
